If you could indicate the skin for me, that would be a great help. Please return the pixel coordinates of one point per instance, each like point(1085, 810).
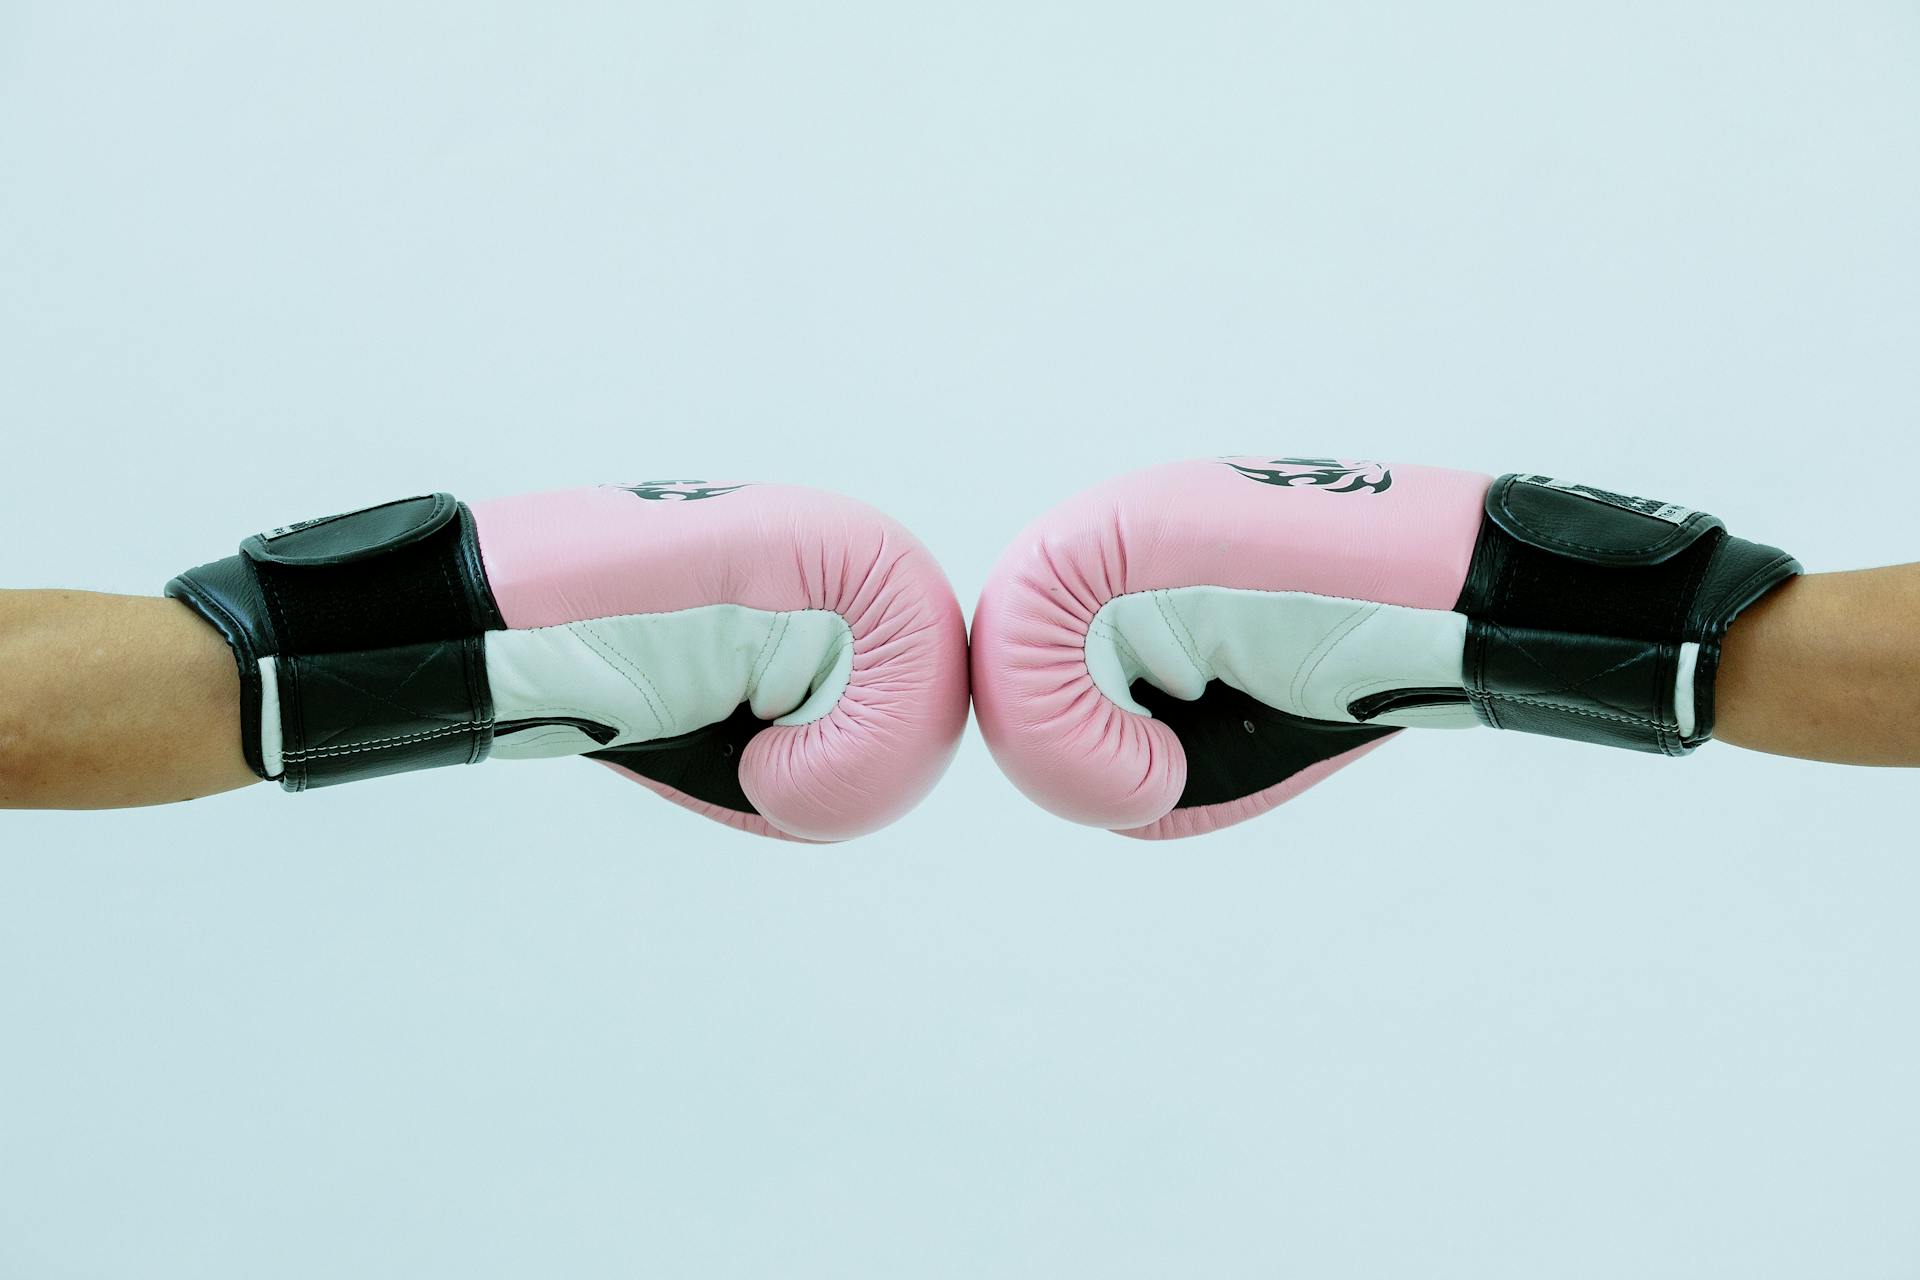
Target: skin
point(1827, 667)
point(110, 701)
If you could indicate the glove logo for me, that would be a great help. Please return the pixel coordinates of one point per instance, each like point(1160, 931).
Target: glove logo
point(1671, 512)
point(1331, 474)
point(678, 490)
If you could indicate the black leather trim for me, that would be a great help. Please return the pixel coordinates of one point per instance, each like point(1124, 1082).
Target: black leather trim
point(1237, 745)
point(226, 596)
point(1375, 705)
point(1577, 611)
point(703, 764)
point(354, 535)
point(594, 729)
point(366, 713)
point(1742, 572)
point(485, 615)
point(376, 620)
point(351, 590)
point(1592, 524)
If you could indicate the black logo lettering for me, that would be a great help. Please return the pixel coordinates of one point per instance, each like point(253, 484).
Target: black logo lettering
point(678, 490)
point(1330, 474)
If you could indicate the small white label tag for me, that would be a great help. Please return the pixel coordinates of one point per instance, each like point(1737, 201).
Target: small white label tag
point(1671, 512)
point(282, 531)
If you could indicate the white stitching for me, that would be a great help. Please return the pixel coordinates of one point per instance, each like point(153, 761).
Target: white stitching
point(373, 744)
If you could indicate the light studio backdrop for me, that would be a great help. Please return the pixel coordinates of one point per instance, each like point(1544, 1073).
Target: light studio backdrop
point(1487, 1006)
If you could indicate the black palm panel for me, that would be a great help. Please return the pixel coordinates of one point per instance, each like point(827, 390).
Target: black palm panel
point(704, 764)
point(1237, 745)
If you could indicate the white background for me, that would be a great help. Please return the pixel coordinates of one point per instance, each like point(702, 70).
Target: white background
point(1488, 1006)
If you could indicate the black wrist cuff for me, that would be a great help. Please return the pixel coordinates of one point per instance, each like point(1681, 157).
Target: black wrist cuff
point(1598, 616)
point(373, 624)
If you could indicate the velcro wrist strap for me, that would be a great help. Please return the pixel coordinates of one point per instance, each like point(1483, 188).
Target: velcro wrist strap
point(359, 640)
point(1598, 616)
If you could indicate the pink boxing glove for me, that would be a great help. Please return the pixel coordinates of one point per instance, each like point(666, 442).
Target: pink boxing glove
point(784, 660)
point(1188, 646)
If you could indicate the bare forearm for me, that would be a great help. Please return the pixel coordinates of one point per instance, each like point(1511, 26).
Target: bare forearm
point(113, 700)
point(1827, 667)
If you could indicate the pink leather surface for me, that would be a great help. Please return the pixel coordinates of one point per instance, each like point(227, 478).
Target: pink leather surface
point(1198, 820)
point(603, 551)
point(749, 822)
point(1197, 523)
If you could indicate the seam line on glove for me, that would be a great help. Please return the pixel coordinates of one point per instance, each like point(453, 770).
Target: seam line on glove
point(373, 744)
point(1576, 711)
point(618, 663)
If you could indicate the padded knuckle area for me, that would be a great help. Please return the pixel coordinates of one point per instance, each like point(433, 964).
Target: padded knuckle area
point(1061, 739)
point(836, 719)
point(841, 768)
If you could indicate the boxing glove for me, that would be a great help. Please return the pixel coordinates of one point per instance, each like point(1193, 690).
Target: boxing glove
point(1188, 646)
point(787, 661)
